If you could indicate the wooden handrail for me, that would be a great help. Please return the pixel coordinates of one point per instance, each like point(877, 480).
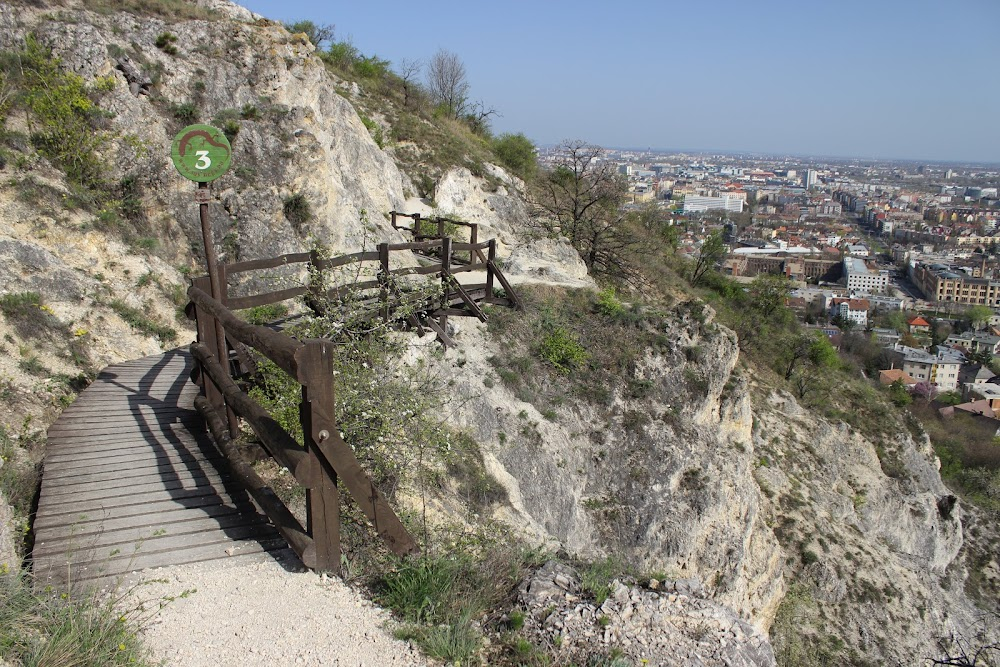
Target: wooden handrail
point(326, 456)
point(275, 439)
point(277, 347)
point(269, 263)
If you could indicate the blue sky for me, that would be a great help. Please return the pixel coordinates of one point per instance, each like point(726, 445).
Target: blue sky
point(906, 79)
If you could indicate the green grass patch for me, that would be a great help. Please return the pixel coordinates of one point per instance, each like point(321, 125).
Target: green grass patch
point(49, 629)
point(596, 577)
point(169, 10)
point(264, 314)
point(20, 473)
point(138, 321)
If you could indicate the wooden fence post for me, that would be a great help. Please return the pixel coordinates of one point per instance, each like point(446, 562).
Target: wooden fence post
point(383, 279)
point(445, 283)
point(317, 284)
point(231, 420)
point(416, 226)
point(473, 239)
point(393, 214)
point(440, 227)
point(207, 334)
point(318, 426)
point(489, 267)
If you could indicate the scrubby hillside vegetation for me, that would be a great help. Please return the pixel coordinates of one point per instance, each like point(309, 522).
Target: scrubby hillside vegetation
point(647, 464)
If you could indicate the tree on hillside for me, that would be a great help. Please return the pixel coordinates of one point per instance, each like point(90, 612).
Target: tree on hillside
point(319, 34)
point(581, 198)
point(763, 312)
point(711, 253)
point(517, 154)
point(409, 71)
point(808, 357)
point(447, 82)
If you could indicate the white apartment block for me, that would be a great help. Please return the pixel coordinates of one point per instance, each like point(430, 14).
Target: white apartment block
point(862, 279)
point(697, 204)
point(859, 315)
point(940, 369)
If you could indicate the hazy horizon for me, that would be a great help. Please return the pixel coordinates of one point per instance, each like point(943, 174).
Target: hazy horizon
point(895, 80)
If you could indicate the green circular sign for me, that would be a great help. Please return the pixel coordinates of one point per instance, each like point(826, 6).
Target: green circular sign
point(201, 153)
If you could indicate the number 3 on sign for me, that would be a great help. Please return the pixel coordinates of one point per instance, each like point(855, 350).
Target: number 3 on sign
point(201, 153)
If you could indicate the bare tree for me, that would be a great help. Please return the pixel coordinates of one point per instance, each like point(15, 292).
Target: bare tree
point(409, 71)
point(447, 83)
point(321, 35)
point(979, 650)
point(581, 198)
point(478, 116)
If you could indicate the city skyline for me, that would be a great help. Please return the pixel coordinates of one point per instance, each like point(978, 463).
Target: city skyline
point(892, 80)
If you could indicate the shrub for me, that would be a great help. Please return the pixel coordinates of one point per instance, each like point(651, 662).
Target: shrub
point(19, 479)
point(27, 312)
point(20, 305)
point(561, 349)
point(297, 209)
point(230, 128)
point(61, 113)
point(375, 130)
point(250, 112)
point(516, 153)
point(341, 54)
point(186, 113)
point(609, 305)
point(371, 67)
point(264, 314)
point(138, 321)
point(165, 42)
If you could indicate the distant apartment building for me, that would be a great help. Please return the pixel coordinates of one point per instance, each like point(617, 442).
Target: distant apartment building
point(860, 278)
point(699, 204)
point(975, 341)
point(811, 179)
point(852, 310)
point(939, 369)
point(939, 282)
point(880, 301)
point(857, 250)
point(790, 264)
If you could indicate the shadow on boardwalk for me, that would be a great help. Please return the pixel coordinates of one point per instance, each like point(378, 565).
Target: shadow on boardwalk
point(132, 481)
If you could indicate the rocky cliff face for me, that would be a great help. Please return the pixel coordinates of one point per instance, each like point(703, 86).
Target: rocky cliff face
point(298, 135)
point(782, 516)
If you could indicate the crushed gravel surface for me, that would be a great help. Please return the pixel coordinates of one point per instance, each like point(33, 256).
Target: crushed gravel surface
point(262, 614)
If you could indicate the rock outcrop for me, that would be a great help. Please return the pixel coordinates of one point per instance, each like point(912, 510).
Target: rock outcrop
point(666, 623)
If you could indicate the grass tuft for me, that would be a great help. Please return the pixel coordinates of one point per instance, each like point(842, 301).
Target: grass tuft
point(45, 629)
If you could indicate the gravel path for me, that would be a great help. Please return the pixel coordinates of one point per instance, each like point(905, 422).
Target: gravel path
point(261, 614)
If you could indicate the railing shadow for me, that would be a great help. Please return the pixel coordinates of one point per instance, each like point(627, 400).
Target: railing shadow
point(186, 472)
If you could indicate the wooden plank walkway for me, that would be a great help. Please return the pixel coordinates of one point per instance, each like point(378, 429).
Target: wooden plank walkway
point(131, 480)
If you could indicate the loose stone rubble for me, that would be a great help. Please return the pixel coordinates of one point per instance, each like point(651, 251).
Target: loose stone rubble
point(662, 623)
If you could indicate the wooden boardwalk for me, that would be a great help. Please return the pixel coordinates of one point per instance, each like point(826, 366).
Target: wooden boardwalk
point(131, 481)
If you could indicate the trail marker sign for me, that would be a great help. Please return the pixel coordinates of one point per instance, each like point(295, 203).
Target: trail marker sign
point(201, 153)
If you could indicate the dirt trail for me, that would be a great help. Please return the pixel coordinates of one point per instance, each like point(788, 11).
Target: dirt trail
point(262, 614)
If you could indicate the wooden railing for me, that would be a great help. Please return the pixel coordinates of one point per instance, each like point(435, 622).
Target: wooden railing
point(325, 457)
point(381, 290)
point(435, 228)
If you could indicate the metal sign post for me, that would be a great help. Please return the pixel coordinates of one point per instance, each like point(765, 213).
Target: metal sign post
point(202, 154)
